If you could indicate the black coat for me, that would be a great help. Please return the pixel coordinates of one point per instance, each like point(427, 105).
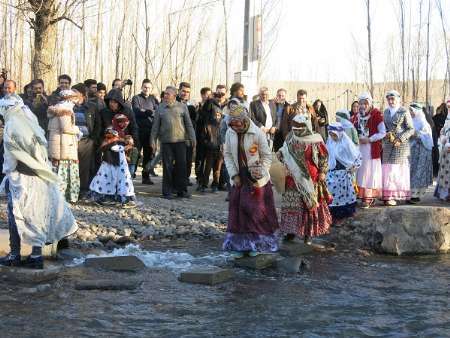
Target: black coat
point(144, 111)
point(258, 113)
point(107, 114)
point(93, 121)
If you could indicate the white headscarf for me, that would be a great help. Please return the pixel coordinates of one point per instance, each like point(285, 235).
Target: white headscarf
point(422, 126)
point(344, 118)
point(365, 97)
point(24, 140)
point(342, 150)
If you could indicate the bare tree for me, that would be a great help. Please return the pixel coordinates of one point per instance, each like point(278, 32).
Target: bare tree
point(447, 52)
point(402, 40)
point(227, 60)
point(43, 17)
point(427, 77)
point(271, 14)
point(369, 41)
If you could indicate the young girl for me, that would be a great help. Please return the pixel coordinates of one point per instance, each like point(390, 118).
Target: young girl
point(113, 180)
point(63, 144)
point(343, 160)
point(304, 207)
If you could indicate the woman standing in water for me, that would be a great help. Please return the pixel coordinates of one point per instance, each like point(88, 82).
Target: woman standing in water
point(304, 208)
point(252, 218)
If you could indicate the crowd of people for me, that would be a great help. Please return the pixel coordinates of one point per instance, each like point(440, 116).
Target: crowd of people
point(88, 143)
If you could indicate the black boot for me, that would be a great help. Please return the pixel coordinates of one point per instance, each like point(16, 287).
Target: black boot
point(10, 260)
point(152, 173)
point(33, 262)
point(147, 180)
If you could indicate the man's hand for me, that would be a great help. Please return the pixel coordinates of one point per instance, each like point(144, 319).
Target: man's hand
point(273, 130)
point(237, 180)
point(322, 177)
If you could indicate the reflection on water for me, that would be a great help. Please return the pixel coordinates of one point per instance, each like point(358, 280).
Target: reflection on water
point(342, 296)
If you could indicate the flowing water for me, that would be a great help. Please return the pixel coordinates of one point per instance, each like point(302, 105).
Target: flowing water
point(341, 295)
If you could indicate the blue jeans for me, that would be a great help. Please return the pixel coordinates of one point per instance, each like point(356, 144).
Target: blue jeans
point(132, 169)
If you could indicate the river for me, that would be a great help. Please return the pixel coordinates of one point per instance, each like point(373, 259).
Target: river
point(341, 295)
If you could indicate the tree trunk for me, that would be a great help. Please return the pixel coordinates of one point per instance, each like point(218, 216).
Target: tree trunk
point(43, 64)
point(427, 80)
point(227, 61)
point(369, 40)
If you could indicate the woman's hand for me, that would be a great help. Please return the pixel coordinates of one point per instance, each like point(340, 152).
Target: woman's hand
point(363, 140)
point(322, 177)
point(256, 173)
point(397, 143)
point(237, 180)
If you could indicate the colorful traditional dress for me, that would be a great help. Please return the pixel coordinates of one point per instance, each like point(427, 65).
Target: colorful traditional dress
point(304, 207)
point(443, 179)
point(343, 160)
point(395, 163)
point(113, 177)
point(421, 144)
point(368, 176)
point(252, 218)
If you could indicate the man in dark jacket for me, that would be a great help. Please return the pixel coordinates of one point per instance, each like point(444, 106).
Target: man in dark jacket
point(87, 119)
point(64, 82)
point(184, 96)
point(263, 114)
point(281, 106)
point(210, 108)
point(38, 103)
point(144, 107)
point(173, 127)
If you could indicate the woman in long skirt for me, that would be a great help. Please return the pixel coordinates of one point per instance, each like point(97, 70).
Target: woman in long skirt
point(344, 159)
point(304, 208)
point(421, 164)
point(252, 218)
point(443, 180)
point(395, 162)
point(371, 130)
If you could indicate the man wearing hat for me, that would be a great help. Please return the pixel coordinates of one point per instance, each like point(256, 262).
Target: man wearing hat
point(396, 151)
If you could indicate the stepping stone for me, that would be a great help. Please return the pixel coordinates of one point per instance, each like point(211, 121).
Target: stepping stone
point(30, 276)
point(206, 276)
point(259, 262)
point(118, 263)
point(107, 284)
point(295, 249)
point(289, 264)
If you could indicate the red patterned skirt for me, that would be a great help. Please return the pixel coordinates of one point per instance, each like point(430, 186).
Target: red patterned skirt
point(297, 219)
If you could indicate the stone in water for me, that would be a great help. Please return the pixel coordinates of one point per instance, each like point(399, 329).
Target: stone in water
point(206, 275)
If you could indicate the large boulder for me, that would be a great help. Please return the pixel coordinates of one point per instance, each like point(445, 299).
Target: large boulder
point(409, 230)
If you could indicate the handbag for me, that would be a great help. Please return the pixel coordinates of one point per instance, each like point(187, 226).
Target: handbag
point(277, 173)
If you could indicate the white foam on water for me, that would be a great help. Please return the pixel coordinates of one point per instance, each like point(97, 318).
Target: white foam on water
point(171, 260)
